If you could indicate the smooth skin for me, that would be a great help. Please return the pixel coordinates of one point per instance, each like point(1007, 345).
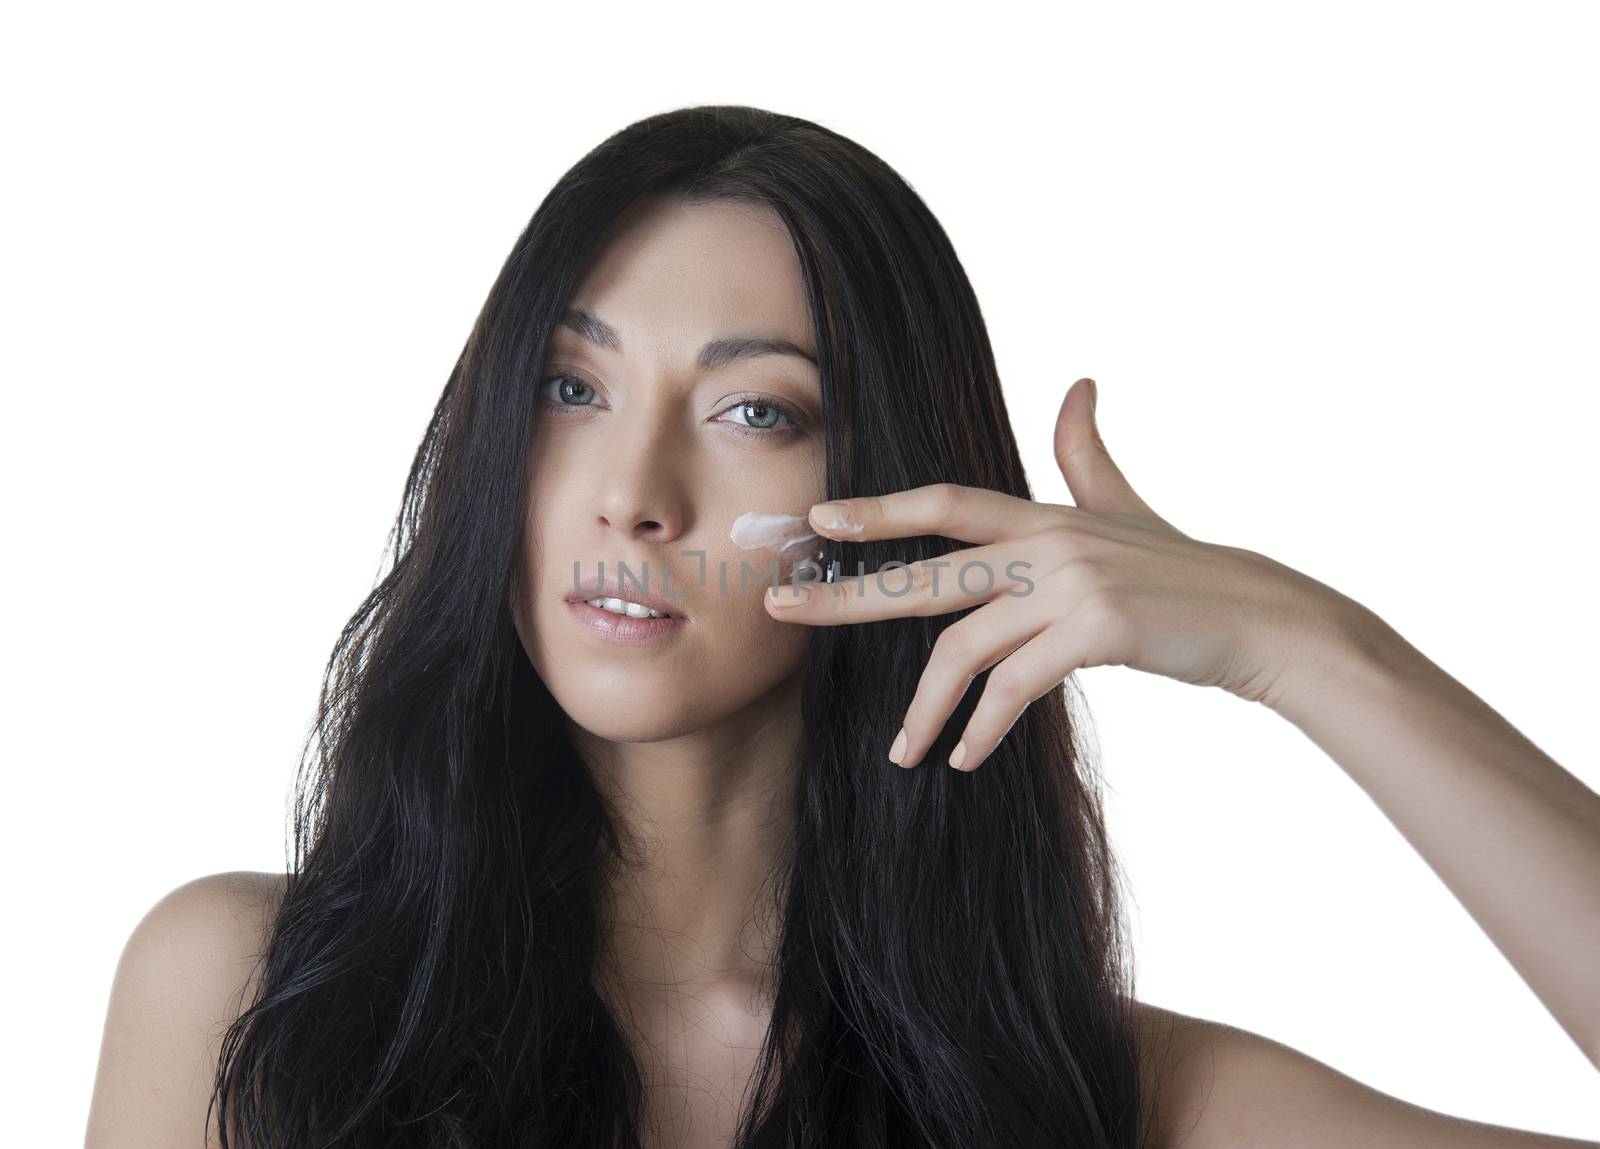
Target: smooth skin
point(1110, 582)
point(1402, 728)
point(191, 960)
point(659, 456)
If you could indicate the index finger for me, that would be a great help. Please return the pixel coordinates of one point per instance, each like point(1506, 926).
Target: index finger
point(972, 514)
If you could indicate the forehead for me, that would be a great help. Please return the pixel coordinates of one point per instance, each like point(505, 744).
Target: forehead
point(671, 273)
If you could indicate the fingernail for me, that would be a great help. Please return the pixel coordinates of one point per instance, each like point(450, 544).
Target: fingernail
point(832, 516)
point(796, 595)
point(898, 750)
point(1094, 395)
point(958, 755)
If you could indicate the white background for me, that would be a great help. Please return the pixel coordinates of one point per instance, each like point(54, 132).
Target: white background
point(1334, 267)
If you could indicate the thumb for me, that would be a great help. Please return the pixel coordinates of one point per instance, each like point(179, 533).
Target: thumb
point(1096, 483)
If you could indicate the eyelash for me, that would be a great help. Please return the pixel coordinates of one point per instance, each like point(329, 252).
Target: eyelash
point(754, 400)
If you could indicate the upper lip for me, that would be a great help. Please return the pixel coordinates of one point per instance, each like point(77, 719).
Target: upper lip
point(590, 585)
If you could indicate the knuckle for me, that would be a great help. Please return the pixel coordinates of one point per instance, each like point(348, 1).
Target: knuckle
point(954, 645)
point(1105, 607)
point(933, 583)
point(921, 579)
point(1005, 685)
point(834, 597)
point(1061, 543)
point(1085, 577)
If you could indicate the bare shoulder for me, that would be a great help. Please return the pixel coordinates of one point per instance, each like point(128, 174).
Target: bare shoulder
point(1214, 1085)
point(186, 972)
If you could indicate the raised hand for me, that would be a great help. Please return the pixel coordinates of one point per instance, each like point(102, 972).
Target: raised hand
point(1057, 588)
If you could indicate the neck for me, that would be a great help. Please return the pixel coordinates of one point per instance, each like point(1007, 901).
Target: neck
point(706, 821)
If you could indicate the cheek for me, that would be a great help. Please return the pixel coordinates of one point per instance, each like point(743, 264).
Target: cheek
point(749, 644)
point(736, 659)
point(553, 505)
point(751, 660)
point(734, 653)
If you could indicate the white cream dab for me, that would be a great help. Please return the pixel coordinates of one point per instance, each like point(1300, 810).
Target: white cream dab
point(755, 530)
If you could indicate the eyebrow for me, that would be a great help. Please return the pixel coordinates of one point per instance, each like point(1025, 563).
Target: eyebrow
point(716, 353)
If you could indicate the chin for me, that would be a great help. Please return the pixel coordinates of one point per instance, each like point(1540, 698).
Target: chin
point(603, 723)
point(652, 701)
point(622, 707)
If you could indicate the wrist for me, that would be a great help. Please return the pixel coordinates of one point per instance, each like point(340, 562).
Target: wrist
point(1351, 658)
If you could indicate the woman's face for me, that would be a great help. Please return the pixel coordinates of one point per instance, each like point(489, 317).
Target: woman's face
point(644, 456)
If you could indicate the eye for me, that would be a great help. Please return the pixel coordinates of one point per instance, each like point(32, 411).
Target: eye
point(759, 416)
point(570, 391)
point(764, 416)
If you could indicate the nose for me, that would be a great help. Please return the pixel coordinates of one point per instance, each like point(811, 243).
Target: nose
point(639, 496)
point(638, 518)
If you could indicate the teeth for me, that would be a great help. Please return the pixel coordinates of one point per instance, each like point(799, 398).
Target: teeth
point(622, 606)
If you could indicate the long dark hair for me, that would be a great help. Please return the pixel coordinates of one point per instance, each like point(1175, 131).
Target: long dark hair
point(951, 970)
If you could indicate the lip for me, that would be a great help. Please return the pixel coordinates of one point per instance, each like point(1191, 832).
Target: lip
point(623, 628)
point(611, 586)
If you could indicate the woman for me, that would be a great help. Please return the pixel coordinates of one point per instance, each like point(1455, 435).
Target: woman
point(565, 875)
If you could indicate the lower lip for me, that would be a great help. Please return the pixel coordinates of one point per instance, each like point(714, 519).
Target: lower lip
point(623, 628)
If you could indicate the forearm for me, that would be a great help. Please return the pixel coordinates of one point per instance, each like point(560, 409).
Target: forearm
point(1510, 832)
